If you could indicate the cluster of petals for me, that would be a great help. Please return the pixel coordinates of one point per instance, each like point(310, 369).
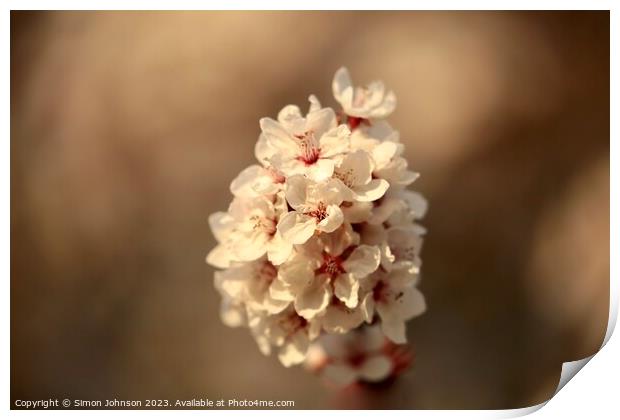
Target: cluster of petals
point(322, 238)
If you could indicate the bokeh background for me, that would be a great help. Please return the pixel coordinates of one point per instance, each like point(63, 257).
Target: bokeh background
point(127, 127)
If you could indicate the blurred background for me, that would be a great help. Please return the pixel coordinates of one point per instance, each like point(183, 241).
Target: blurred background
point(127, 127)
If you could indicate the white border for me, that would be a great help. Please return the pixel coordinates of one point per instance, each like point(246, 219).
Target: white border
point(593, 394)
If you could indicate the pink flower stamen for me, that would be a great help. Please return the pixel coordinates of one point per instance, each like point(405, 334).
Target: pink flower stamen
point(308, 147)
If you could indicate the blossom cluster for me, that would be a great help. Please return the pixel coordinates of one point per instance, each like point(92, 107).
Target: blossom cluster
point(321, 237)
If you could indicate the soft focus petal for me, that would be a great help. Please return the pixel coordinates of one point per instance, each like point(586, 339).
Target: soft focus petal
point(294, 350)
point(376, 368)
point(289, 113)
point(231, 315)
point(221, 223)
point(342, 87)
point(219, 257)
point(339, 374)
point(315, 105)
point(416, 202)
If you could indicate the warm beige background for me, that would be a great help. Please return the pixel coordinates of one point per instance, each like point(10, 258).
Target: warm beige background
point(126, 129)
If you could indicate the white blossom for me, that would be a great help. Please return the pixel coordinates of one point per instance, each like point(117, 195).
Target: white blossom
point(304, 145)
point(371, 101)
point(322, 239)
point(316, 207)
point(358, 356)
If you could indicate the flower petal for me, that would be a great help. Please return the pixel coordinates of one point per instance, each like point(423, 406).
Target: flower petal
point(219, 257)
point(335, 141)
point(339, 319)
point(296, 187)
point(221, 223)
point(296, 228)
point(333, 220)
point(342, 87)
point(277, 137)
point(394, 330)
point(357, 212)
point(363, 260)
point(340, 374)
point(367, 308)
point(416, 202)
point(315, 105)
point(372, 191)
point(401, 305)
point(278, 250)
point(242, 185)
point(296, 274)
point(383, 153)
point(232, 315)
point(375, 368)
point(313, 300)
point(294, 350)
point(288, 113)
point(321, 169)
point(320, 121)
point(356, 169)
point(346, 289)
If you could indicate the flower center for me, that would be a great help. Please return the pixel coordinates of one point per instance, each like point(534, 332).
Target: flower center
point(309, 149)
point(266, 273)
point(404, 253)
point(292, 323)
point(347, 177)
point(276, 175)
point(319, 213)
point(332, 266)
point(355, 122)
point(268, 226)
point(379, 292)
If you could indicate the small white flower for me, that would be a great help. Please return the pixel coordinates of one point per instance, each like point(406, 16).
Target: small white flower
point(221, 224)
point(248, 231)
point(396, 300)
point(316, 207)
point(358, 356)
point(383, 145)
point(287, 331)
point(326, 267)
point(368, 102)
point(255, 181)
point(355, 175)
point(399, 207)
point(297, 145)
point(250, 283)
